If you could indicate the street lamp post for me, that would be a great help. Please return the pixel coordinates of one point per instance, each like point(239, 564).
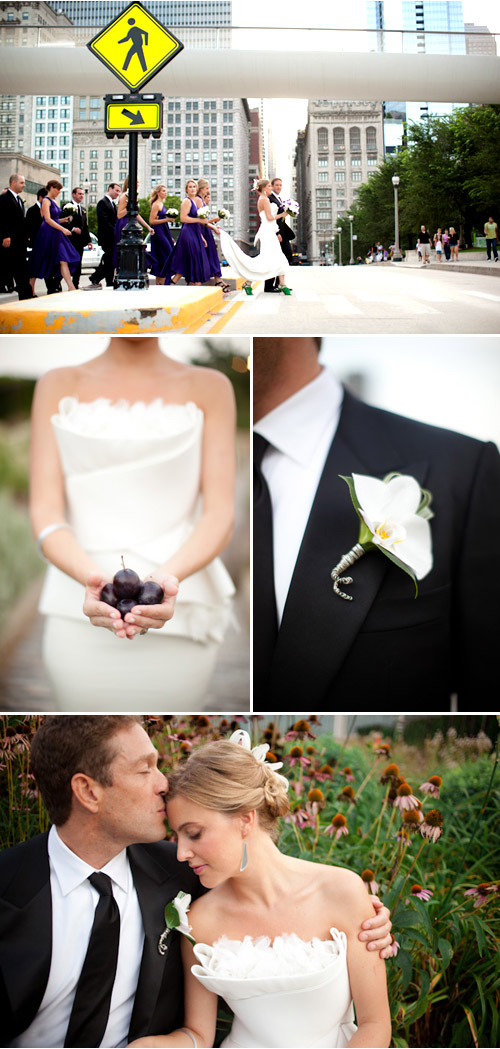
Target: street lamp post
point(86, 187)
point(351, 260)
point(339, 231)
point(396, 255)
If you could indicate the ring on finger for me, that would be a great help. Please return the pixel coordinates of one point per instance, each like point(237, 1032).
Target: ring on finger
point(143, 631)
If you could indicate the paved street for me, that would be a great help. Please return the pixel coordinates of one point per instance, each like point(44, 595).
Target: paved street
point(379, 299)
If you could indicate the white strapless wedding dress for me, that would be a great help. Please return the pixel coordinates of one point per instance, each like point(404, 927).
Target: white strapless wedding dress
point(288, 993)
point(132, 483)
point(270, 262)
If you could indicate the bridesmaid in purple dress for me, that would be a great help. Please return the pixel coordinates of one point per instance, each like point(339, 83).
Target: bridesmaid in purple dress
point(122, 219)
point(189, 258)
point(53, 252)
point(202, 200)
point(163, 243)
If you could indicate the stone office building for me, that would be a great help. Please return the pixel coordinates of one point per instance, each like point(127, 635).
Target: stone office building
point(339, 149)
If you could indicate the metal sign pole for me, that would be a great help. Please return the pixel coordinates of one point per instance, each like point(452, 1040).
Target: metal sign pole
point(131, 251)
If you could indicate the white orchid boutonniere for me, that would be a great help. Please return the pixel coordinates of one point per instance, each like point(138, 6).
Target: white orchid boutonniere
point(176, 918)
point(394, 515)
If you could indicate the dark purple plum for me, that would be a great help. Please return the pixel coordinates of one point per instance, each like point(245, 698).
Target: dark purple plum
point(126, 583)
point(108, 595)
point(151, 593)
point(126, 605)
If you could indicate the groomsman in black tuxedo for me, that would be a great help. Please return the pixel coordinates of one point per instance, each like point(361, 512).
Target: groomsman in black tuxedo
point(78, 221)
point(82, 907)
point(33, 221)
point(106, 221)
point(13, 238)
point(384, 647)
point(285, 234)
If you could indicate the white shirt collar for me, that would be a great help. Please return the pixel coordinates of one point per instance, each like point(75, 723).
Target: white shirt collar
point(110, 198)
point(297, 425)
point(70, 870)
point(17, 196)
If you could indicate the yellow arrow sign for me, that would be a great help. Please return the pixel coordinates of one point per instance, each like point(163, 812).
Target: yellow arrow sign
point(136, 116)
point(135, 46)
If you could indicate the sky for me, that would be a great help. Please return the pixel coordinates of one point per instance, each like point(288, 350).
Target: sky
point(287, 116)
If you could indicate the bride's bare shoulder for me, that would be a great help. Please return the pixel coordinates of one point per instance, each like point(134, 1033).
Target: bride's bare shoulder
point(57, 383)
point(206, 916)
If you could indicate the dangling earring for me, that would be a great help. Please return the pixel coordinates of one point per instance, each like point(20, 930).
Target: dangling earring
point(244, 857)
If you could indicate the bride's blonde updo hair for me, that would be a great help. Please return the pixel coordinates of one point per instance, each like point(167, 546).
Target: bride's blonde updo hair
point(226, 777)
point(261, 183)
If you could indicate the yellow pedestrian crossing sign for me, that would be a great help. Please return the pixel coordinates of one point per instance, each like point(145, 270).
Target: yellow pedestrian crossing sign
point(135, 46)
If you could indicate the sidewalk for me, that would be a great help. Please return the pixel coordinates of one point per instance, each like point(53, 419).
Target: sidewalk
point(468, 262)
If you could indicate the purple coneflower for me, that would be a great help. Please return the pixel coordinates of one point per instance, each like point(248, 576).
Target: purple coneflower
point(337, 827)
point(432, 825)
point(347, 794)
point(405, 800)
point(420, 893)
point(383, 749)
point(432, 786)
point(369, 879)
point(391, 772)
point(394, 947)
point(296, 757)
point(348, 773)
point(483, 892)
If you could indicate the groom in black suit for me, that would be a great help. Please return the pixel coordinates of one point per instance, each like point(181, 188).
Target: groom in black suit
point(81, 239)
point(285, 234)
point(106, 221)
point(385, 647)
point(99, 779)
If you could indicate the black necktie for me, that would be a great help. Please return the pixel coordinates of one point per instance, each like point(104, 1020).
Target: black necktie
point(265, 619)
point(21, 205)
point(90, 1011)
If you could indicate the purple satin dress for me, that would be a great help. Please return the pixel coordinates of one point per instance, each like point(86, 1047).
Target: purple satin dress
point(51, 247)
point(162, 244)
point(189, 257)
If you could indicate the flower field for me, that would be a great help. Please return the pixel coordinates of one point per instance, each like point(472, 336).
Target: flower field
point(421, 826)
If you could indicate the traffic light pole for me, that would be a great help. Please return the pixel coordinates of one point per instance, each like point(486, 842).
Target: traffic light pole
point(131, 269)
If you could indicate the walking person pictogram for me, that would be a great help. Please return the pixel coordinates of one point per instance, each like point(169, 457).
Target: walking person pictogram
point(135, 36)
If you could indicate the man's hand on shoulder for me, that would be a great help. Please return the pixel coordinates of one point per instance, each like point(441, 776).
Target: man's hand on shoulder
point(376, 931)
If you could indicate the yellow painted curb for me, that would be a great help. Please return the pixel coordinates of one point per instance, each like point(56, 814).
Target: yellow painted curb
point(109, 312)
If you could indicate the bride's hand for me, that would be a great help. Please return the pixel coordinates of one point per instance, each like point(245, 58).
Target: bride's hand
point(153, 617)
point(99, 613)
point(377, 930)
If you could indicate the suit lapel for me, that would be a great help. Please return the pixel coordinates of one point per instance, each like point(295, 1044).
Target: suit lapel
point(27, 921)
point(155, 887)
point(318, 621)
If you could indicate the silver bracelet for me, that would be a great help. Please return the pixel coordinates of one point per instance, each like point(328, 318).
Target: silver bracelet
point(48, 531)
point(191, 1036)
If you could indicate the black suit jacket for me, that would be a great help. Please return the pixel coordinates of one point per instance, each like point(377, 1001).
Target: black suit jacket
point(26, 936)
point(106, 220)
point(285, 230)
point(385, 646)
point(12, 224)
point(33, 221)
point(79, 240)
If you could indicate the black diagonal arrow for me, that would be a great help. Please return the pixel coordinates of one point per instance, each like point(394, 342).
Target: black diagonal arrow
point(135, 118)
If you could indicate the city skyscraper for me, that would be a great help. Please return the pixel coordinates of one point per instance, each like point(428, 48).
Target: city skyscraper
point(427, 26)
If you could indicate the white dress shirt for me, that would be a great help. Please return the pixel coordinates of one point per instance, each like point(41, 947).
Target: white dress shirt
point(74, 901)
point(300, 430)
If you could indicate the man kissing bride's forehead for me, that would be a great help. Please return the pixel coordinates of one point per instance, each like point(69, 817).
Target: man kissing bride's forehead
point(95, 891)
point(336, 480)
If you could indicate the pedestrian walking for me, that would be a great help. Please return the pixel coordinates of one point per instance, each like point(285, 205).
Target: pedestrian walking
point(453, 244)
point(78, 224)
point(446, 245)
point(438, 245)
point(491, 234)
point(424, 242)
point(53, 254)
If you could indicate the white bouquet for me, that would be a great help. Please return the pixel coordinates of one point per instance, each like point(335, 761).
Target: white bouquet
point(292, 207)
point(172, 213)
point(223, 213)
point(203, 213)
point(70, 207)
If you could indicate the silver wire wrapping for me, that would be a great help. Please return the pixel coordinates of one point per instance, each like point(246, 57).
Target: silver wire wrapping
point(345, 562)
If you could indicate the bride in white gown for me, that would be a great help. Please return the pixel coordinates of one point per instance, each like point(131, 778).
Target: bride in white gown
point(133, 454)
point(270, 262)
point(277, 936)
